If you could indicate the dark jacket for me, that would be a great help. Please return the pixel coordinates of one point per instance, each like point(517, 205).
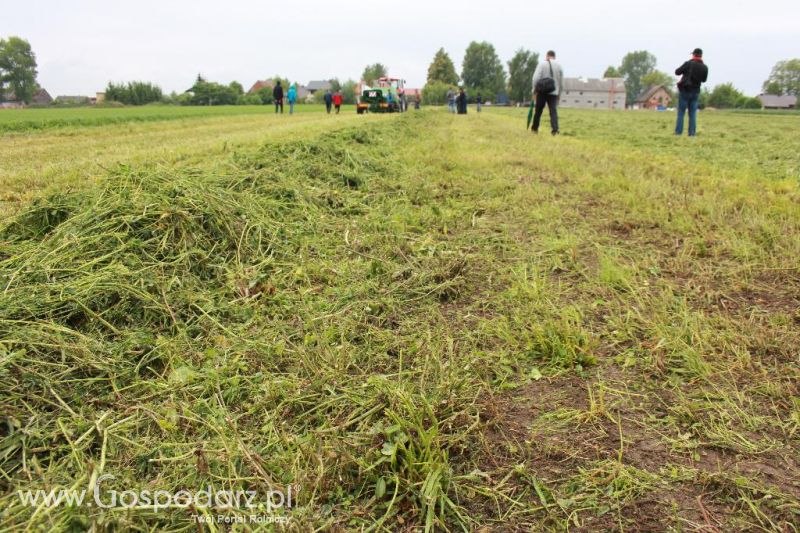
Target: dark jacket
point(328, 98)
point(693, 74)
point(277, 92)
point(461, 103)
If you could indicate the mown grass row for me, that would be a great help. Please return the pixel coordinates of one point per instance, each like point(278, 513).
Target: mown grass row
point(250, 329)
point(35, 120)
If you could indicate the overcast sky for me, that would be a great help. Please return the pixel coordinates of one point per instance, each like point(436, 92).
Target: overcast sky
point(82, 44)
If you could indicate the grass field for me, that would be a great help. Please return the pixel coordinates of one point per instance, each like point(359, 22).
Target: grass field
point(421, 322)
point(27, 120)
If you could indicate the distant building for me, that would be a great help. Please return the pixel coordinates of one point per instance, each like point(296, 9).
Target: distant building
point(318, 85)
point(773, 101)
point(100, 98)
point(654, 97)
point(593, 93)
point(42, 97)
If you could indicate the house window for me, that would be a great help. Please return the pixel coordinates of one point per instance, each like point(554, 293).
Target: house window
point(581, 93)
point(588, 101)
point(602, 101)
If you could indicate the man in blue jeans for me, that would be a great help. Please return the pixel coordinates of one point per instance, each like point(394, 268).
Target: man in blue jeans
point(693, 74)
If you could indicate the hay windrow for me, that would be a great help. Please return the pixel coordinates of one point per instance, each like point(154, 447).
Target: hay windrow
point(183, 313)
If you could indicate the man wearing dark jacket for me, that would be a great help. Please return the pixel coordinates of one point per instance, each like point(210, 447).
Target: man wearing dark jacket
point(277, 95)
point(693, 74)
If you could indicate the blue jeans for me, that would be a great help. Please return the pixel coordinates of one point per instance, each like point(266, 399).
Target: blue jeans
point(291, 107)
point(451, 104)
point(687, 100)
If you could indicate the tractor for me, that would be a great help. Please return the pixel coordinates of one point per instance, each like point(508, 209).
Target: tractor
point(383, 97)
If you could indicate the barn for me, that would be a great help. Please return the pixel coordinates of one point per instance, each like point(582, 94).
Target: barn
point(593, 93)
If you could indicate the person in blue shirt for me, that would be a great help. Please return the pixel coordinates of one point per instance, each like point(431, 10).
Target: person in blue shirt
point(328, 101)
point(291, 95)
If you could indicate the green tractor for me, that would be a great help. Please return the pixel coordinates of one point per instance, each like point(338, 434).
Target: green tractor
point(383, 97)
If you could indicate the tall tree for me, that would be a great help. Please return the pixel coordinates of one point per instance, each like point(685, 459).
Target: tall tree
point(18, 68)
point(635, 65)
point(373, 72)
point(785, 78)
point(482, 71)
point(612, 72)
point(520, 74)
point(442, 69)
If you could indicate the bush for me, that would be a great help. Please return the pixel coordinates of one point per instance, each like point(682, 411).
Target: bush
point(249, 99)
point(133, 93)
point(210, 93)
point(748, 102)
point(349, 92)
point(435, 93)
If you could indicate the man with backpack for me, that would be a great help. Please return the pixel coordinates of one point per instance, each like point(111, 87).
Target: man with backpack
point(547, 83)
point(693, 74)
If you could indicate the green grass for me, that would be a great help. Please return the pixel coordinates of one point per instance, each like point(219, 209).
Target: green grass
point(425, 322)
point(25, 120)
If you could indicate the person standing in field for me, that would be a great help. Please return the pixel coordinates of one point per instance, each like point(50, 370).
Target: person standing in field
point(693, 74)
point(337, 101)
point(461, 102)
point(328, 101)
point(291, 96)
point(479, 102)
point(548, 79)
point(451, 100)
point(277, 95)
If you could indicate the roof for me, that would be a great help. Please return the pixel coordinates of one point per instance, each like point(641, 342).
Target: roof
point(773, 100)
point(648, 93)
point(42, 96)
point(317, 85)
point(594, 84)
point(260, 84)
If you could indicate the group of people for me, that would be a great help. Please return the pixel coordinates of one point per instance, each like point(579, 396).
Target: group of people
point(548, 82)
point(457, 102)
point(334, 99)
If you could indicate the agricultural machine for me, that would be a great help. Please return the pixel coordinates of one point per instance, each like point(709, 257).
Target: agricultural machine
point(382, 97)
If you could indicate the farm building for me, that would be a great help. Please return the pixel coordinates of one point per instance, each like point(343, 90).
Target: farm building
point(774, 101)
point(654, 97)
point(8, 100)
point(318, 85)
point(593, 93)
point(42, 97)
